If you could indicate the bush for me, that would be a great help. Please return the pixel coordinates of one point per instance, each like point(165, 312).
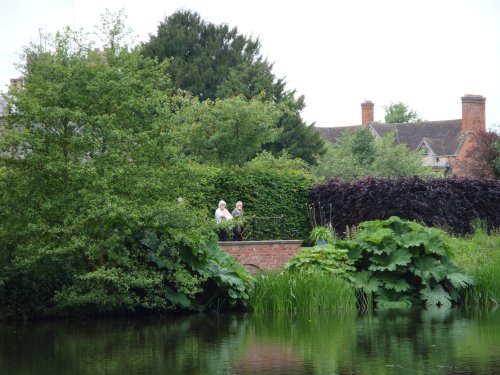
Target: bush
point(403, 263)
point(449, 203)
point(142, 260)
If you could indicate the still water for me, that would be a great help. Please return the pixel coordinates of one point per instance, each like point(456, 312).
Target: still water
point(389, 342)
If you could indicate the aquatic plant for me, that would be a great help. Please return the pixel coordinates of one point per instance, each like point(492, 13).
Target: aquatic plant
point(301, 291)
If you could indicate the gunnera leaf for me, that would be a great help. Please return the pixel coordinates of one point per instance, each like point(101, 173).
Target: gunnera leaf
point(389, 262)
point(427, 267)
point(375, 235)
point(435, 296)
point(460, 280)
point(364, 280)
point(394, 282)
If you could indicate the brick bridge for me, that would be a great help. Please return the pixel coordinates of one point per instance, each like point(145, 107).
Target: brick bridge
point(262, 255)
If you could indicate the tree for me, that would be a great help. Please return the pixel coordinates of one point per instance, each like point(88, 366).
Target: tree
point(90, 173)
point(483, 159)
point(216, 62)
point(349, 158)
point(229, 131)
point(397, 113)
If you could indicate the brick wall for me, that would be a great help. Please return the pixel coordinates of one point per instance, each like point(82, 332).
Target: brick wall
point(262, 255)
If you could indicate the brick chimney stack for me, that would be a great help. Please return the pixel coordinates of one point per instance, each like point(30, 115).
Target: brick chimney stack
point(366, 113)
point(473, 113)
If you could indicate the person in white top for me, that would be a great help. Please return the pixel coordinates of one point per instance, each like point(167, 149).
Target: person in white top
point(222, 214)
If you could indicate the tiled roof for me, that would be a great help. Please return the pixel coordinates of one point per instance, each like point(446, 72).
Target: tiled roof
point(331, 134)
point(443, 137)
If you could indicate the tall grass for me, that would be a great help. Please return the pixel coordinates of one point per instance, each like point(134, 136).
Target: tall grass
point(301, 291)
point(479, 256)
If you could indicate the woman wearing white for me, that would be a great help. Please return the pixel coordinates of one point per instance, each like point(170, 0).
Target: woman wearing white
point(222, 214)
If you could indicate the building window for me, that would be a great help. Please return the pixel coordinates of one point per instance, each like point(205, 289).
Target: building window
point(424, 151)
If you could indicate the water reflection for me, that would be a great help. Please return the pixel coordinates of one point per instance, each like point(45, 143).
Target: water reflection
point(390, 342)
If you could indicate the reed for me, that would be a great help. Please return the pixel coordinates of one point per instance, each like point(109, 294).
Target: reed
point(479, 256)
point(288, 292)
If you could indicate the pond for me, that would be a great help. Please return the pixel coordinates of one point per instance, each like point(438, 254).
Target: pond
point(385, 342)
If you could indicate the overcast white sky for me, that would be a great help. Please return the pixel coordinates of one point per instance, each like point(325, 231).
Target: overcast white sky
point(426, 53)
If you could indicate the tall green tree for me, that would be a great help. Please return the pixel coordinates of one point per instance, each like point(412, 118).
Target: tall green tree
point(216, 62)
point(399, 112)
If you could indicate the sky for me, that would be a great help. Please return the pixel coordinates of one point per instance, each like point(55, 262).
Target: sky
point(425, 53)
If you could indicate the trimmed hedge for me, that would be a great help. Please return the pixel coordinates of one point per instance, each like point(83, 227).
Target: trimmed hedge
point(450, 203)
point(269, 193)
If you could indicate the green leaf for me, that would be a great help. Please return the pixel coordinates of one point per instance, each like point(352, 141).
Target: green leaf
point(394, 282)
point(177, 298)
point(411, 239)
point(436, 296)
point(427, 267)
point(389, 262)
point(365, 280)
point(460, 280)
point(376, 236)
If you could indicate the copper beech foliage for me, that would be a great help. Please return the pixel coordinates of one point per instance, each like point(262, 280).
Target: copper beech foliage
point(449, 203)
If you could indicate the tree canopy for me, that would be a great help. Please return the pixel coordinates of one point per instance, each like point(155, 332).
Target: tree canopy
point(359, 154)
point(217, 62)
point(397, 113)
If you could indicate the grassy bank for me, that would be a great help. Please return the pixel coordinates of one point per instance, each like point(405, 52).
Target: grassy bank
point(479, 256)
point(307, 291)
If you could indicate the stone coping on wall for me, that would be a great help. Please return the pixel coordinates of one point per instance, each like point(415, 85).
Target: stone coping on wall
point(267, 242)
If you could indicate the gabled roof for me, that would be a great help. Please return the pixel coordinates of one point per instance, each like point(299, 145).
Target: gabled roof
point(443, 137)
point(331, 134)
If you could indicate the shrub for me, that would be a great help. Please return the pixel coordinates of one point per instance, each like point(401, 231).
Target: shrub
point(450, 203)
point(325, 258)
point(404, 263)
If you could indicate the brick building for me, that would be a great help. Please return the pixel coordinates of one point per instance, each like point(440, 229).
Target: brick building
point(441, 142)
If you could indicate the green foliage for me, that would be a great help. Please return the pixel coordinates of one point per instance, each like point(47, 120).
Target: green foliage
point(216, 62)
point(397, 113)
point(326, 258)
point(323, 233)
point(312, 291)
point(275, 192)
point(355, 155)
point(230, 131)
point(478, 255)
point(284, 164)
point(91, 172)
point(403, 263)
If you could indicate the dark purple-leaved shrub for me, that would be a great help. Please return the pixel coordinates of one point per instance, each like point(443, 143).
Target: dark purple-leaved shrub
point(450, 203)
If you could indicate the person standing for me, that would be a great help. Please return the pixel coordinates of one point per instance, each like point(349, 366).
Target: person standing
point(222, 214)
point(238, 229)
